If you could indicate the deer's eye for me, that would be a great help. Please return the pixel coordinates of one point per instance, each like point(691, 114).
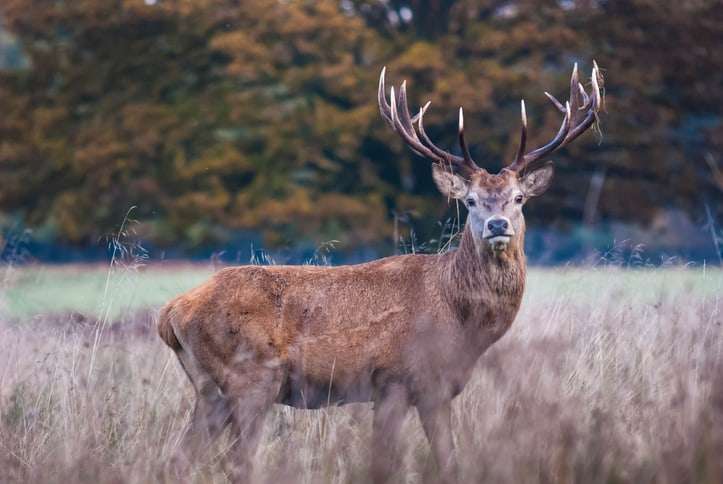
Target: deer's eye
point(471, 202)
point(519, 199)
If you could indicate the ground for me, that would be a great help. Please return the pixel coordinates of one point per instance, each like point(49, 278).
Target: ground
point(608, 375)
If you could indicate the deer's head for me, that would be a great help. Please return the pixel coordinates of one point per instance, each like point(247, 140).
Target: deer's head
point(494, 201)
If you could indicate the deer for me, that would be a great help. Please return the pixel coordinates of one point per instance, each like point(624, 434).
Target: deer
point(400, 332)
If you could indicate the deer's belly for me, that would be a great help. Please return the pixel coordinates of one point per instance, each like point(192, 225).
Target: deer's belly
point(300, 391)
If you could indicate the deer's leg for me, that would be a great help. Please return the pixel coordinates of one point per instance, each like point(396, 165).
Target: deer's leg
point(211, 413)
point(437, 423)
point(390, 409)
point(252, 390)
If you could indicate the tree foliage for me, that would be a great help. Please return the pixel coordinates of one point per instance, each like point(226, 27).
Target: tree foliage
point(214, 116)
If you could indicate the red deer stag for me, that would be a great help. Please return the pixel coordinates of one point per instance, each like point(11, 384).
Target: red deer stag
point(400, 331)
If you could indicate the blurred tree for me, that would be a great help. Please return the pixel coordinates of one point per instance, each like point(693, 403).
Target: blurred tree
point(665, 102)
point(663, 95)
point(204, 115)
point(218, 115)
point(120, 98)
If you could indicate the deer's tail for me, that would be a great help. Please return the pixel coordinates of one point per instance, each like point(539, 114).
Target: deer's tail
point(165, 327)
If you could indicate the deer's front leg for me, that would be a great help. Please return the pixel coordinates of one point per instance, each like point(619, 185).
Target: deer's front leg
point(437, 423)
point(390, 409)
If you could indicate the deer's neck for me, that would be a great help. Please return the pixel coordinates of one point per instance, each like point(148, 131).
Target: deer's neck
point(485, 289)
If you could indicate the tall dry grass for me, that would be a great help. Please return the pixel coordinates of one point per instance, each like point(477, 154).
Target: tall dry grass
point(592, 384)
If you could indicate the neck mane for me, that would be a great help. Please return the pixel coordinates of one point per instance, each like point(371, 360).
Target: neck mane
point(480, 284)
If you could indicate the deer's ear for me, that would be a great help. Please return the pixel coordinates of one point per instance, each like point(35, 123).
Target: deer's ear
point(448, 183)
point(534, 183)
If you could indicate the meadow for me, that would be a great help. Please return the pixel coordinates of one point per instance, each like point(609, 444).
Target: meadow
point(608, 375)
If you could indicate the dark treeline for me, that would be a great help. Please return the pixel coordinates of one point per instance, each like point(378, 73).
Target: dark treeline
point(219, 117)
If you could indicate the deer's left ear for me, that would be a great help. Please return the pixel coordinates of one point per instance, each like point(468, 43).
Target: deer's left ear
point(534, 183)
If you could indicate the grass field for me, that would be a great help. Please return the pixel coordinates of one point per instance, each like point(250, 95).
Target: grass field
point(607, 375)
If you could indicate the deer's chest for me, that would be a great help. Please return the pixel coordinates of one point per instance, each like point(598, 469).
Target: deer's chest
point(488, 319)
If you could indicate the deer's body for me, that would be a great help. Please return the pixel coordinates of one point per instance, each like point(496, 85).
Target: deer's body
point(340, 334)
point(401, 331)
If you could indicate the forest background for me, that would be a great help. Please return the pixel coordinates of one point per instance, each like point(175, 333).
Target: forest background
point(220, 126)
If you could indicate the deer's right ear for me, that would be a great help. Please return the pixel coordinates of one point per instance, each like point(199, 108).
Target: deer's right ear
point(450, 184)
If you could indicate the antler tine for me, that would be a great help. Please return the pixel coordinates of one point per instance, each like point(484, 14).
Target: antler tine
point(596, 79)
point(393, 104)
point(411, 140)
point(384, 108)
point(560, 107)
point(396, 124)
point(574, 93)
point(415, 118)
point(523, 133)
point(403, 103)
point(426, 140)
point(403, 111)
point(580, 113)
point(462, 143)
point(585, 97)
point(406, 121)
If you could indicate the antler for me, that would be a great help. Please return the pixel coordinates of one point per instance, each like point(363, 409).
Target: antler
point(396, 113)
point(580, 112)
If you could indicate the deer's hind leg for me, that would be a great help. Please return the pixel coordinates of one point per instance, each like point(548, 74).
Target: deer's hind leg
point(251, 387)
point(211, 414)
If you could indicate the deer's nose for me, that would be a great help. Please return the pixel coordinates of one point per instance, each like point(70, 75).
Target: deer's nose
point(498, 226)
